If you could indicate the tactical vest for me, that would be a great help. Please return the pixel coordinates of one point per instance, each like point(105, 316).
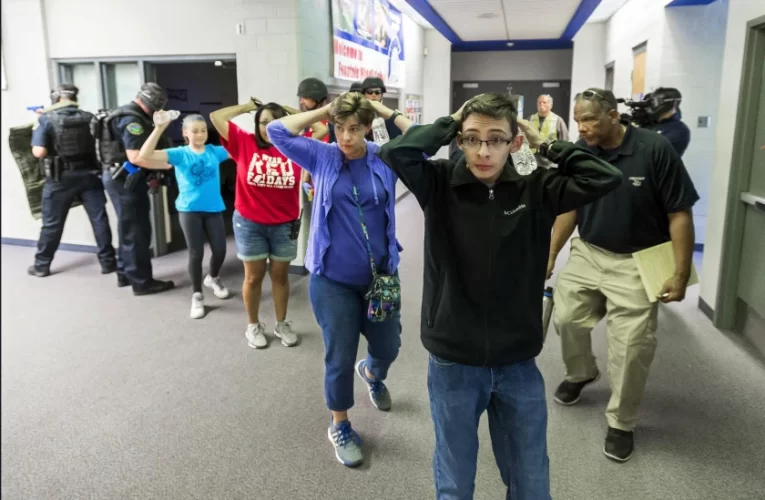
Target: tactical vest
point(74, 145)
point(549, 127)
point(109, 147)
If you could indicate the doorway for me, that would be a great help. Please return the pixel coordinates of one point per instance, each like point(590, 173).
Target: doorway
point(741, 292)
point(639, 60)
point(196, 87)
point(527, 92)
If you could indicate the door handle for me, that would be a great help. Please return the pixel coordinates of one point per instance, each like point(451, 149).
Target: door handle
point(754, 200)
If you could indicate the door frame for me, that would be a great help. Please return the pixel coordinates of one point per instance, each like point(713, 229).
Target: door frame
point(740, 173)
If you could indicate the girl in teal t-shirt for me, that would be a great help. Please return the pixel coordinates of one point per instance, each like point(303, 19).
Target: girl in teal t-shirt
point(200, 204)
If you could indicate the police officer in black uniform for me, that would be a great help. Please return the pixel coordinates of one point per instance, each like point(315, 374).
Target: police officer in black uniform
point(130, 126)
point(67, 152)
point(664, 106)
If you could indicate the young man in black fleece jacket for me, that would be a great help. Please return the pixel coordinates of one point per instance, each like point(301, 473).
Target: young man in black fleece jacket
point(487, 237)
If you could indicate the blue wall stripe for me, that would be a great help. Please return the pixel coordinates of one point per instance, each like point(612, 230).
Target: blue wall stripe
point(548, 44)
point(63, 246)
point(688, 3)
point(425, 10)
point(582, 14)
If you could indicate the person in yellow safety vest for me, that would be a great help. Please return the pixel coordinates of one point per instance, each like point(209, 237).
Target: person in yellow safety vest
point(550, 126)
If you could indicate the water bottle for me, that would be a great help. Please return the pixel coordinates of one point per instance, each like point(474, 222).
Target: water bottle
point(162, 117)
point(547, 309)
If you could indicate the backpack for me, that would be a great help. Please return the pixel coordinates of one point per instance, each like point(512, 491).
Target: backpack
point(109, 148)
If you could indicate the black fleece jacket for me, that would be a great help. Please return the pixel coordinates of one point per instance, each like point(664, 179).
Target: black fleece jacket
point(486, 249)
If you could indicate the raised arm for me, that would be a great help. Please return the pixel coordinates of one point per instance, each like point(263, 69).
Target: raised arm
point(221, 117)
point(318, 129)
point(401, 121)
point(148, 153)
point(284, 133)
point(406, 155)
point(580, 178)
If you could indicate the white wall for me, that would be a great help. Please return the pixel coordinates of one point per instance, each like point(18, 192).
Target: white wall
point(684, 50)
point(27, 78)
point(692, 58)
point(436, 85)
point(636, 22)
point(739, 13)
point(588, 69)
point(512, 65)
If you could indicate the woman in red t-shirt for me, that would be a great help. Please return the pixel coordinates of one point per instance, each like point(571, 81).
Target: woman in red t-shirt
point(267, 212)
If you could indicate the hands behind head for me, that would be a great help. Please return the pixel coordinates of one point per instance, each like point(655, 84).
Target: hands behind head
point(255, 102)
point(533, 136)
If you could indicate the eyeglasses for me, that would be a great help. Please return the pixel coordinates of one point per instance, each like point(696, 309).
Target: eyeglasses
point(373, 92)
point(495, 144)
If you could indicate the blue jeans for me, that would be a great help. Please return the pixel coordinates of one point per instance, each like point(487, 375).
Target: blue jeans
point(341, 311)
point(514, 396)
point(260, 241)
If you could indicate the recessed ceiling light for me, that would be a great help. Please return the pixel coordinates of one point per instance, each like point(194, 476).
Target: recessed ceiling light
point(219, 63)
point(487, 15)
point(510, 44)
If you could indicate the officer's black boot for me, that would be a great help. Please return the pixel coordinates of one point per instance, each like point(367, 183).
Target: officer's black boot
point(154, 286)
point(122, 280)
point(40, 273)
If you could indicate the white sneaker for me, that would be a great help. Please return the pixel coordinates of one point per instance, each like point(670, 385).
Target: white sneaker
point(256, 336)
point(283, 330)
point(197, 306)
point(217, 286)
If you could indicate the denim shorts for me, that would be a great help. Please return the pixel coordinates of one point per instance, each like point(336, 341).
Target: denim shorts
point(261, 241)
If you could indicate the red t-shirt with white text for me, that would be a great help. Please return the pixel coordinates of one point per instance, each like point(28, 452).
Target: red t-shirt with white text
point(267, 182)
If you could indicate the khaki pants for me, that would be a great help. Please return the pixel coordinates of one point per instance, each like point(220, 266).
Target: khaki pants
point(597, 283)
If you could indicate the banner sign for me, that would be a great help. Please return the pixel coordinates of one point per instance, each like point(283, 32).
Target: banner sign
point(368, 40)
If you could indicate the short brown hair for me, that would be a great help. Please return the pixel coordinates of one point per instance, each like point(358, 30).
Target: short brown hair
point(352, 104)
point(494, 105)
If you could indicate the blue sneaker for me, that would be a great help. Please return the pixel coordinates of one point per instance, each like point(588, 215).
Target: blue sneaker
point(347, 443)
point(378, 393)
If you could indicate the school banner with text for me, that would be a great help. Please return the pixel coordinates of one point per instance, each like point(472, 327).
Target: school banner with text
point(368, 40)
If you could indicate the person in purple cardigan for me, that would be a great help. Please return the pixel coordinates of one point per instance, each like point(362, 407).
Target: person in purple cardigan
point(348, 177)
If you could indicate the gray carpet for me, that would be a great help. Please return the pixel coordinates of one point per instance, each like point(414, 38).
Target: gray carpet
point(107, 396)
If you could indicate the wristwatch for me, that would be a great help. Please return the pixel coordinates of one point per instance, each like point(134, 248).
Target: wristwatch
point(545, 147)
point(395, 114)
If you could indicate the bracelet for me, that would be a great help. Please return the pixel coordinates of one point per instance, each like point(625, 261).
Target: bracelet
point(395, 114)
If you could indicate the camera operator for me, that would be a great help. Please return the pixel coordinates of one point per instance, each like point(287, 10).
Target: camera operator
point(660, 111)
point(664, 106)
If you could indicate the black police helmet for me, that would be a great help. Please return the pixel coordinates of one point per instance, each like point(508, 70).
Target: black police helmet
point(66, 91)
point(373, 82)
point(357, 87)
point(313, 88)
point(152, 96)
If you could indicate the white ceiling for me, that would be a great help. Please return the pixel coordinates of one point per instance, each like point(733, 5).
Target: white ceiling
point(475, 20)
point(407, 9)
point(605, 10)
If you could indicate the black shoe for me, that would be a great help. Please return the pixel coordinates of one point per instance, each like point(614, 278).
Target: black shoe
point(619, 445)
point(154, 286)
point(122, 281)
point(108, 269)
point(40, 273)
point(568, 393)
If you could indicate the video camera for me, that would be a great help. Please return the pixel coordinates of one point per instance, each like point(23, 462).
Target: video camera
point(647, 111)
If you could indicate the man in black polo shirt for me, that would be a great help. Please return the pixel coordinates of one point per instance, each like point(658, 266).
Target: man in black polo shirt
point(601, 279)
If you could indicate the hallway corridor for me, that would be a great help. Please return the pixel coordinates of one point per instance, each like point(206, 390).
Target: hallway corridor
point(107, 396)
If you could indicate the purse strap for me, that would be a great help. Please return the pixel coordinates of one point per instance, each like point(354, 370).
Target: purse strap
point(363, 224)
point(364, 230)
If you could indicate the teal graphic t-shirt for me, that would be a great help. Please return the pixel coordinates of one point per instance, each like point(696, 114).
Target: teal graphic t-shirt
point(198, 176)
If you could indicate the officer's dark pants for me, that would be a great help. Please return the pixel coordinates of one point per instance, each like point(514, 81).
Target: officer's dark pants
point(57, 198)
point(134, 229)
